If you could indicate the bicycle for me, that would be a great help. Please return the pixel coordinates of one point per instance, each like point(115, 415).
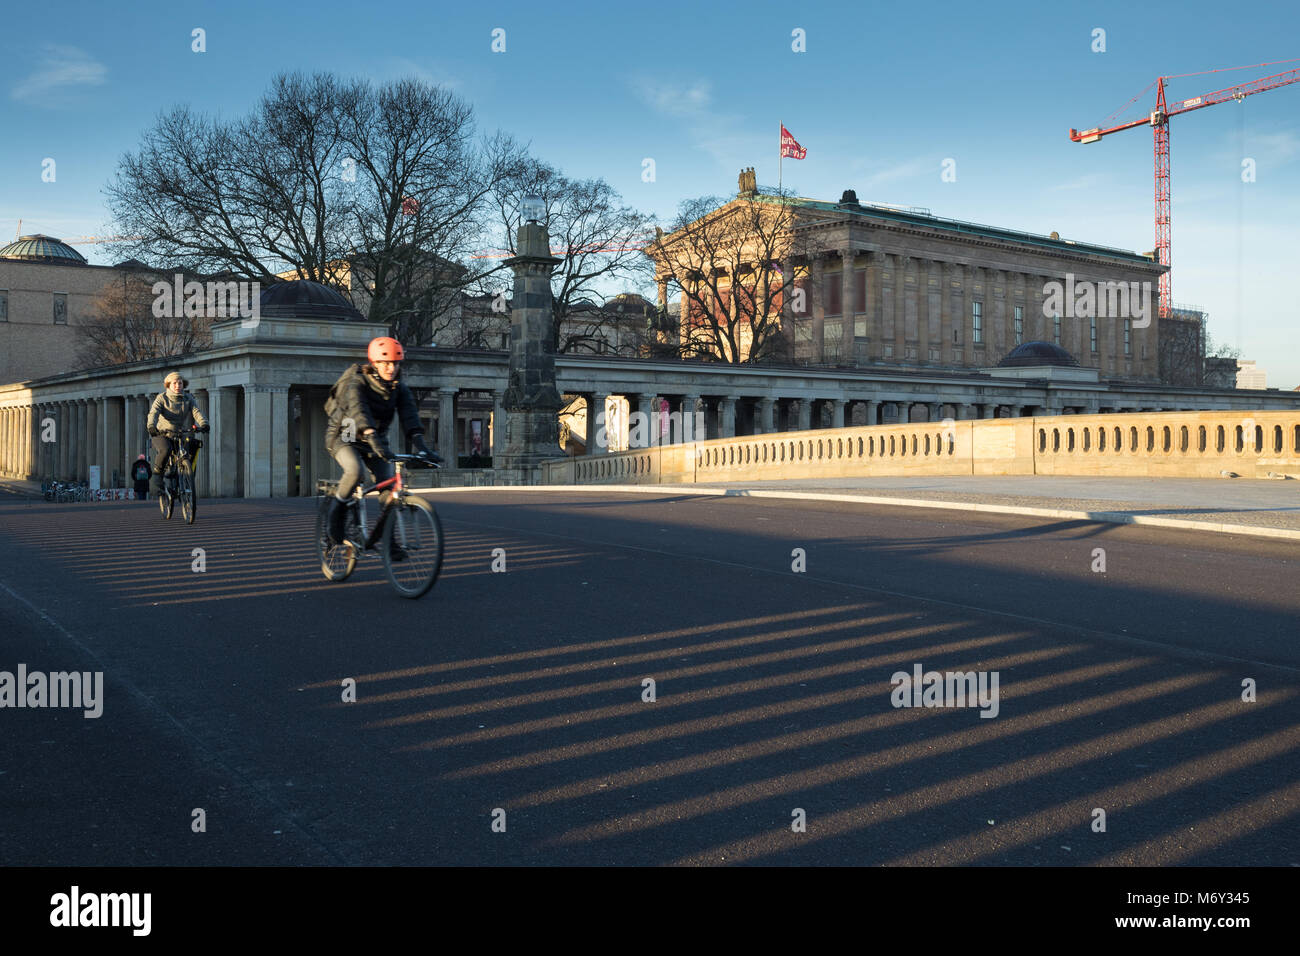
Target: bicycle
point(178, 479)
point(407, 531)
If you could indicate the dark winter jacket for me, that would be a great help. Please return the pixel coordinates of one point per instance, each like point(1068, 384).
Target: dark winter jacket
point(361, 395)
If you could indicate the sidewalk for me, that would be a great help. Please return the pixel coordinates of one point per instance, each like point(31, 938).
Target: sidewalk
point(1263, 507)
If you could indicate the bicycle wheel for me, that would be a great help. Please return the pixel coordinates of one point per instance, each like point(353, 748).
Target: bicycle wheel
point(413, 527)
point(185, 491)
point(166, 499)
point(337, 562)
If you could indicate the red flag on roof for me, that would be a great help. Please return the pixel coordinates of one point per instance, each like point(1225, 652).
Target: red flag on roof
point(789, 147)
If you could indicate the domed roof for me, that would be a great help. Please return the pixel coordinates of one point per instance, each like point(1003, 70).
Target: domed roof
point(1038, 353)
point(40, 248)
point(304, 299)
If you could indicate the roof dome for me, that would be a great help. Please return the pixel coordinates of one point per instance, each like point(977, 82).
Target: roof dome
point(40, 248)
point(304, 299)
point(1029, 354)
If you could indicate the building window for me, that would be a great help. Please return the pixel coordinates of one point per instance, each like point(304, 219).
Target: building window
point(833, 285)
point(860, 291)
point(1128, 336)
point(1056, 329)
point(4, 305)
point(60, 308)
point(1020, 324)
point(977, 322)
point(1092, 332)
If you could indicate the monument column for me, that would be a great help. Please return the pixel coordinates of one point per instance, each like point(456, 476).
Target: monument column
point(531, 401)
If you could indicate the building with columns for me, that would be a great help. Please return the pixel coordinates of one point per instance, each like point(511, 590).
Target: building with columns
point(897, 287)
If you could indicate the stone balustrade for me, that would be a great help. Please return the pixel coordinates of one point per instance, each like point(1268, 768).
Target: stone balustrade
point(1169, 444)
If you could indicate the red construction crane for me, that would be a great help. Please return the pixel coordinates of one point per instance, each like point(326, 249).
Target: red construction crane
point(1159, 122)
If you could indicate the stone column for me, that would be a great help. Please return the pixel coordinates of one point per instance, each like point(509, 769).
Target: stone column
point(837, 412)
point(904, 412)
point(222, 447)
point(447, 426)
point(131, 429)
point(727, 416)
point(691, 430)
point(901, 265)
point(988, 410)
point(818, 344)
point(646, 433)
point(764, 423)
point(598, 441)
point(873, 412)
point(531, 401)
point(499, 423)
point(258, 430)
point(847, 303)
point(890, 332)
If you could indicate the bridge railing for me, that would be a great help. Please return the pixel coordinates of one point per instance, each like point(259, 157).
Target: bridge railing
point(1170, 444)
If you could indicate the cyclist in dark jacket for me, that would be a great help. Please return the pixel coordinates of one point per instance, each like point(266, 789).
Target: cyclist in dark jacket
point(361, 408)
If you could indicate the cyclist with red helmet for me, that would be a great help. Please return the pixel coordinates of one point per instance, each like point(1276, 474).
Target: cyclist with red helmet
point(361, 408)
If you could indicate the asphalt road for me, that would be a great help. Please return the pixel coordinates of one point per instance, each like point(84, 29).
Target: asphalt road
point(523, 691)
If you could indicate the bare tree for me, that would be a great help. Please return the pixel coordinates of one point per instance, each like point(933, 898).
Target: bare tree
point(378, 192)
point(735, 264)
point(123, 328)
point(598, 237)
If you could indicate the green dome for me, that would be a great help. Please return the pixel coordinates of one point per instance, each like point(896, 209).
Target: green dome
point(40, 248)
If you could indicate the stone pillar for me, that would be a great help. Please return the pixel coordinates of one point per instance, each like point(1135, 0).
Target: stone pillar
point(727, 416)
point(598, 439)
point(531, 401)
point(873, 412)
point(692, 429)
point(837, 412)
point(847, 302)
point(103, 458)
point(764, 423)
point(901, 265)
point(498, 425)
point(447, 426)
point(818, 343)
point(645, 428)
point(805, 414)
point(988, 410)
point(890, 333)
point(904, 413)
point(258, 453)
point(132, 426)
point(222, 446)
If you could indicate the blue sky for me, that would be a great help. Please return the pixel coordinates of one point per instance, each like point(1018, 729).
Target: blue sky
point(883, 94)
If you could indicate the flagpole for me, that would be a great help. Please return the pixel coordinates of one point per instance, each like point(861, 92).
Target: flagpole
point(780, 156)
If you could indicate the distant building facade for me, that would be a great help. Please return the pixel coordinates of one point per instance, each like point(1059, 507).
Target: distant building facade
point(899, 287)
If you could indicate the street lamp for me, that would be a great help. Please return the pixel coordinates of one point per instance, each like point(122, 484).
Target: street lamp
point(534, 210)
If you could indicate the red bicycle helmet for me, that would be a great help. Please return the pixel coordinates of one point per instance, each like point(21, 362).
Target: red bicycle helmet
point(385, 349)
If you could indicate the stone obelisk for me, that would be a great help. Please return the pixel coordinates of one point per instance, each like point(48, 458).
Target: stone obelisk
point(532, 403)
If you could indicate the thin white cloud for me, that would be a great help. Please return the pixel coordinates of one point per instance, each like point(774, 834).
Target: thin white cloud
point(675, 99)
point(59, 69)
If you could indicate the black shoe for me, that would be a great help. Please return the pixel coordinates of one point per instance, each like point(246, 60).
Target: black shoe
point(335, 521)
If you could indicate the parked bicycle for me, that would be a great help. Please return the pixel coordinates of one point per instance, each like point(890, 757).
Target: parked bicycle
point(178, 479)
point(407, 533)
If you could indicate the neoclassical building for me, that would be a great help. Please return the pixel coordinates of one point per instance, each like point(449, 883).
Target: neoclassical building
point(900, 287)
